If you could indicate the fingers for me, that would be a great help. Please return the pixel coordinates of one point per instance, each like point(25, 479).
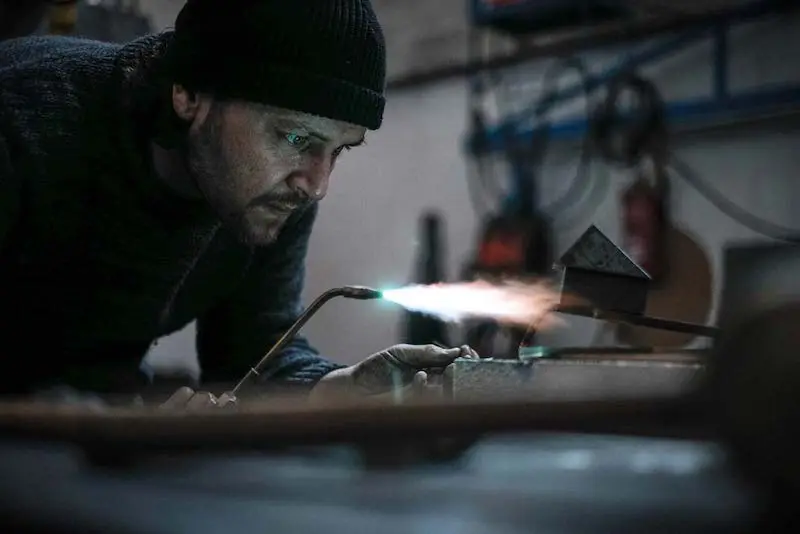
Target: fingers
point(430, 356)
point(188, 399)
point(446, 356)
point(201, 401)
point(435, 356)
point(226, 400)
point(178, 399)
point(468, 352)
point(399, 366)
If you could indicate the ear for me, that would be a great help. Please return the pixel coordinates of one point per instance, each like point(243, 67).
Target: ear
point(185, 103)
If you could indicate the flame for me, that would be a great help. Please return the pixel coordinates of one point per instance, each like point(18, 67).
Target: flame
point(508, 303)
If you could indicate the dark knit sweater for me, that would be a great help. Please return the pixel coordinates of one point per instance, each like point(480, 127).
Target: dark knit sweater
point(98, 258)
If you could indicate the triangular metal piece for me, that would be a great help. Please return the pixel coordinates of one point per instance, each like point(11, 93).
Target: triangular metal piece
point(594, 251)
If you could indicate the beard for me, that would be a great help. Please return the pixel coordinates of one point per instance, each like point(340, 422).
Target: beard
point(256, 222)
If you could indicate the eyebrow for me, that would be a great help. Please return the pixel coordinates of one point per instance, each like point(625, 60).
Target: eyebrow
point(325, 139)
point(314, 133)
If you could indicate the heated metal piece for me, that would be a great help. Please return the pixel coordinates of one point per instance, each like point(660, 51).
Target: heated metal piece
point(597, 271)
point(612, 287)
point(349, 292)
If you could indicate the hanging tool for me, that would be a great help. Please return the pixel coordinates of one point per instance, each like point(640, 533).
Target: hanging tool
point(515, 243)
point(636, 138)
point(645, 223)
point(517, 240)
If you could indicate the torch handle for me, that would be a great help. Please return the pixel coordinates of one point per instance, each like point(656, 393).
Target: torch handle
point(353, 292)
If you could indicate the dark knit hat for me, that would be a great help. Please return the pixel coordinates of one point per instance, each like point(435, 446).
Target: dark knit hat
point(324, 57)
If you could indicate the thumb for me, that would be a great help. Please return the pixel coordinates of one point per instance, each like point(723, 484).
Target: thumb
point(464, 351)
point(179, 399)
point(420, 381)
point(435, 356)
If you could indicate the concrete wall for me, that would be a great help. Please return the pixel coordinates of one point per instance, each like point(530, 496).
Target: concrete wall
point(367, 228)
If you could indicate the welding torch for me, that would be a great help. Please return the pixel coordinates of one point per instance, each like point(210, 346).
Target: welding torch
point(348, 292)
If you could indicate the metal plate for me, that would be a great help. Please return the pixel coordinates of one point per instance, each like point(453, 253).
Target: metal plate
point(573, 379)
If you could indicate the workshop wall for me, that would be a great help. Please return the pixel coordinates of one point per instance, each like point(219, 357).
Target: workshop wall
point(366, 233)
point(367, 229)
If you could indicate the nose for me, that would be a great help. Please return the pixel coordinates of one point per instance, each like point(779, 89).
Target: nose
point(314, 178)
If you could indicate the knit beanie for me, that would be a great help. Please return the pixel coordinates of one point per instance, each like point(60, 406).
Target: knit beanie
point(323, 57)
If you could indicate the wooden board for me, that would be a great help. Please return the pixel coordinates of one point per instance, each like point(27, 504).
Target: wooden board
point(266, 425)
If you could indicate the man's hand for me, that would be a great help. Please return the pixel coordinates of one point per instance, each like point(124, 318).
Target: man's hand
point(389, 370)
point(385, 372)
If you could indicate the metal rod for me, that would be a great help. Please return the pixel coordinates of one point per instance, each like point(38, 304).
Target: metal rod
point(641, 320)
point(350, 292)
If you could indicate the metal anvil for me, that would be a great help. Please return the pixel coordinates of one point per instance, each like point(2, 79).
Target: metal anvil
point(577, 377)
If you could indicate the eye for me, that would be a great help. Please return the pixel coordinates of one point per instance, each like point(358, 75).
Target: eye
point(296, 140)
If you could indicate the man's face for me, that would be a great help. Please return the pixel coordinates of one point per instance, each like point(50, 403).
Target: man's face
point(256, 164)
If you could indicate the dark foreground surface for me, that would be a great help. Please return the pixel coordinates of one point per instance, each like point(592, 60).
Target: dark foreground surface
point(542, 484)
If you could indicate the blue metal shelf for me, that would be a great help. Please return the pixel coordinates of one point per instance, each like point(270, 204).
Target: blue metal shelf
point(525, 16)
point(721, 106)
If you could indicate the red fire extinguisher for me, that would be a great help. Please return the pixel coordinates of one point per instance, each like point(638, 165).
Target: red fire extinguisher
point(644, 225)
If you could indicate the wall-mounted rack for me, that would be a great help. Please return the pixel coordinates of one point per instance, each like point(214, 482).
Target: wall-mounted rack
point(719, 106)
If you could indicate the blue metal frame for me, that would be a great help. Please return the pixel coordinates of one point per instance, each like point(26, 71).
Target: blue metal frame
point(482, 14)
point(721, 106)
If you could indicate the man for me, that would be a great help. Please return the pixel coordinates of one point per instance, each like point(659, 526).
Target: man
point(176, 178)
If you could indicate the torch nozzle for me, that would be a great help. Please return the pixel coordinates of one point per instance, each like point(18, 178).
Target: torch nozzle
point(361, 293)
